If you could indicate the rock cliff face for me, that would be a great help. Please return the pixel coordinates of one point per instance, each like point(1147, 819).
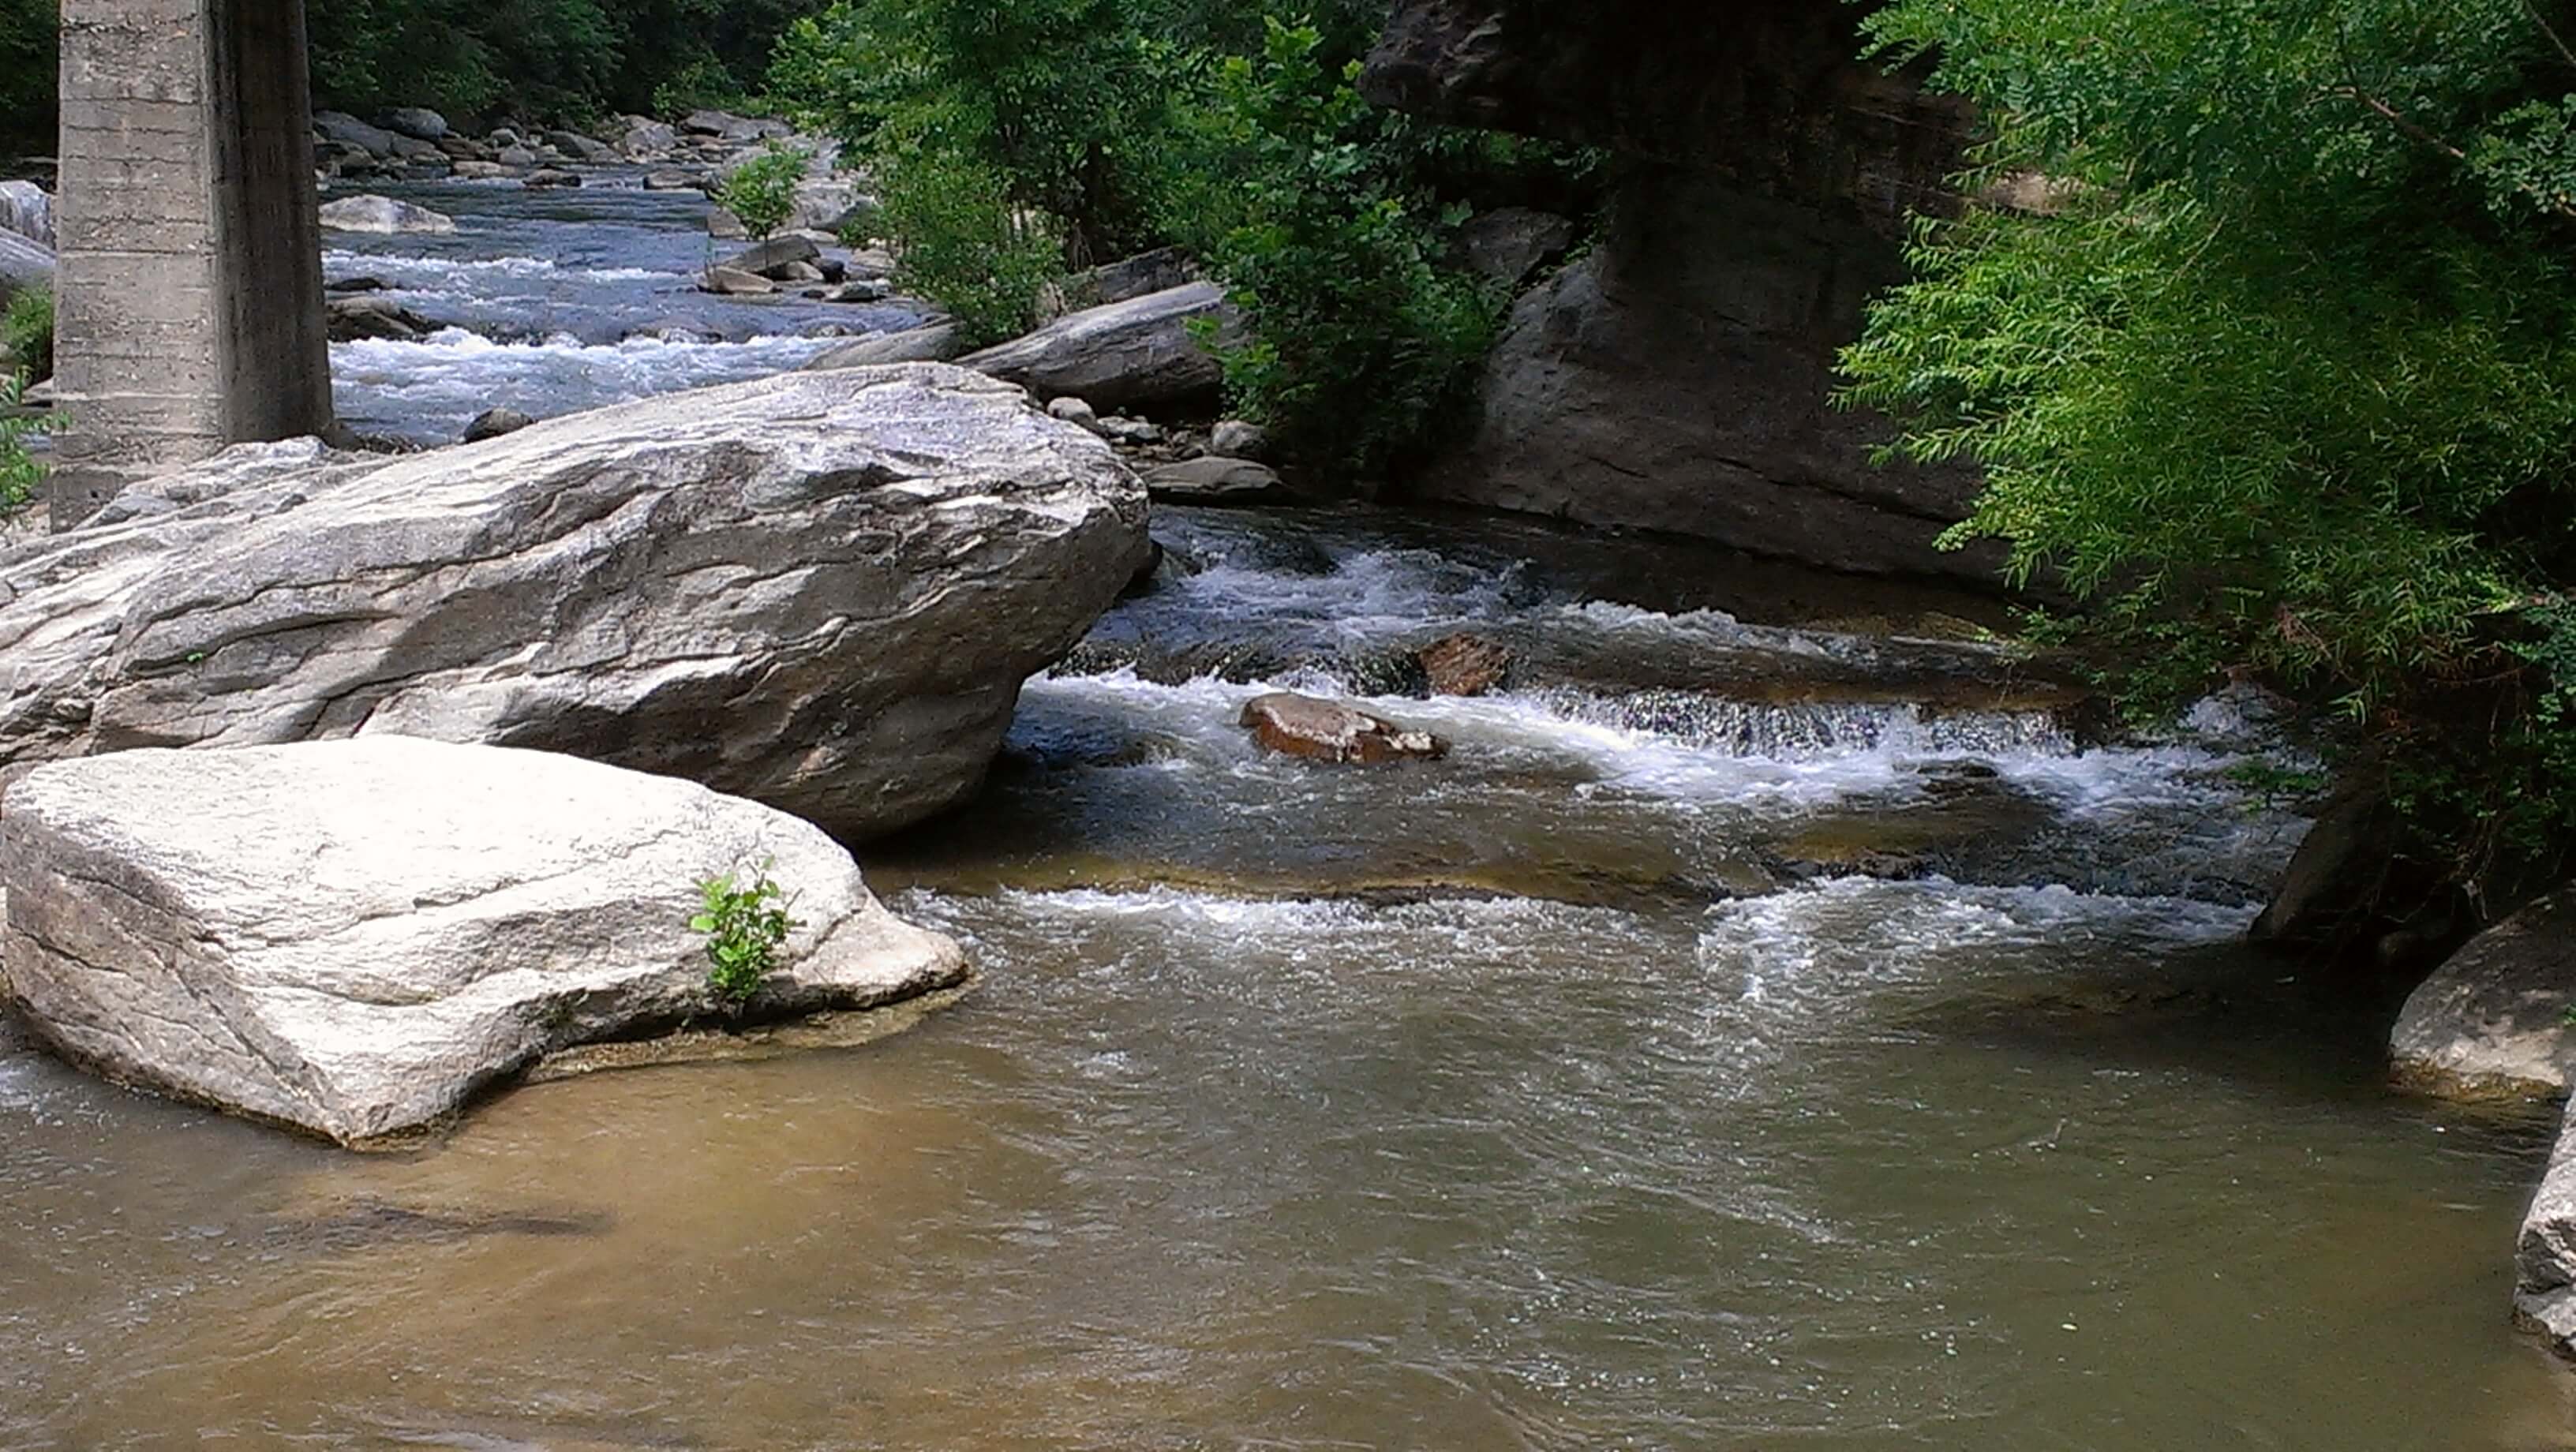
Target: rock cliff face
point(1677, 377)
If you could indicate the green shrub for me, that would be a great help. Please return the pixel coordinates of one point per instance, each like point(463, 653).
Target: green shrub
point(2288, 385)
point(1363, 337)
point(962, 244)
point(27, 333)
point(762, 191)
point(746, 926)
point(1055, 99)
point(19, 471)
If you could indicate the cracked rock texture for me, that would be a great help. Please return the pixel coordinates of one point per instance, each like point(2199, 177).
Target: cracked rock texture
point(352, 937)
point(1676, 377)
point(821, 591)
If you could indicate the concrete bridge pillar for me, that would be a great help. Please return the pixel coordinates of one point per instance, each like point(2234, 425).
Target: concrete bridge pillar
point(190, 278)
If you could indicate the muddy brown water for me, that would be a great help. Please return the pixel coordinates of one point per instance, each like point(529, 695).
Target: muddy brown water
point(1524, 1101)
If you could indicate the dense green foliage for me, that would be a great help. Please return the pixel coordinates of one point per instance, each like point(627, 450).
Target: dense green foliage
point(1019, 142)
point(746, 926)
point(19, 472)
point(27, 77)
point(761, 192)
point(27, 333)
point(476, 60)
point(1300, 194)
point(994, 265)
point(2287, 383)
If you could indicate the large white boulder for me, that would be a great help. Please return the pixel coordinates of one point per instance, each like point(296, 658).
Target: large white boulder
point(353, 937)
point(821, 591)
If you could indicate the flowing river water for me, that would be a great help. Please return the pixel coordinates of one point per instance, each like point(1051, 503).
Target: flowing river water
point(1851, 1056)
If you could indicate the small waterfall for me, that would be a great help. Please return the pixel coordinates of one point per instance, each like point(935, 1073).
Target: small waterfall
point(1805, 730)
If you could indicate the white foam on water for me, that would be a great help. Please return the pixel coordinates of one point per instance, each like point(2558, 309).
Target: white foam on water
point(441, 382)
point(1367, 597)
point(1505, 733)
point(473, 276)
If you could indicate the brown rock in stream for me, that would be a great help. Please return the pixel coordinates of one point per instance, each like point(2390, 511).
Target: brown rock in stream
point(1464, 665)
point(1336, 731)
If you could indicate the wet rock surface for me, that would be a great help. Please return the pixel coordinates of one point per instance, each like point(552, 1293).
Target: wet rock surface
point(1335, 731)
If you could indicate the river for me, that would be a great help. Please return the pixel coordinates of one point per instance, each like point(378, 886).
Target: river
point(1575, 1092)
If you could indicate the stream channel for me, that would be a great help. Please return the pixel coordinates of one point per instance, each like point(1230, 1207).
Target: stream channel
point(1774, 1026)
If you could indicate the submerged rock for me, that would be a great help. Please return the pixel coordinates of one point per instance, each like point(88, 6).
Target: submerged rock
point(1138, 352)
point(353, 937)
point(2495, 1017)
point(384, 216)
point(492, 423)
point(1464, 665)
point(1295, 725)
point(349, 317)
point(821, 591)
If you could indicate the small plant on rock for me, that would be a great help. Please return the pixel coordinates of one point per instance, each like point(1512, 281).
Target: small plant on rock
point(762, 191)
point(746, 924)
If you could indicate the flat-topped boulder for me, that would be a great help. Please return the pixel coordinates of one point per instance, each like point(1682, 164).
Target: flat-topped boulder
point(821, 591)
point(2494, 1018)
point(1138, 352)
point(354, 937)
